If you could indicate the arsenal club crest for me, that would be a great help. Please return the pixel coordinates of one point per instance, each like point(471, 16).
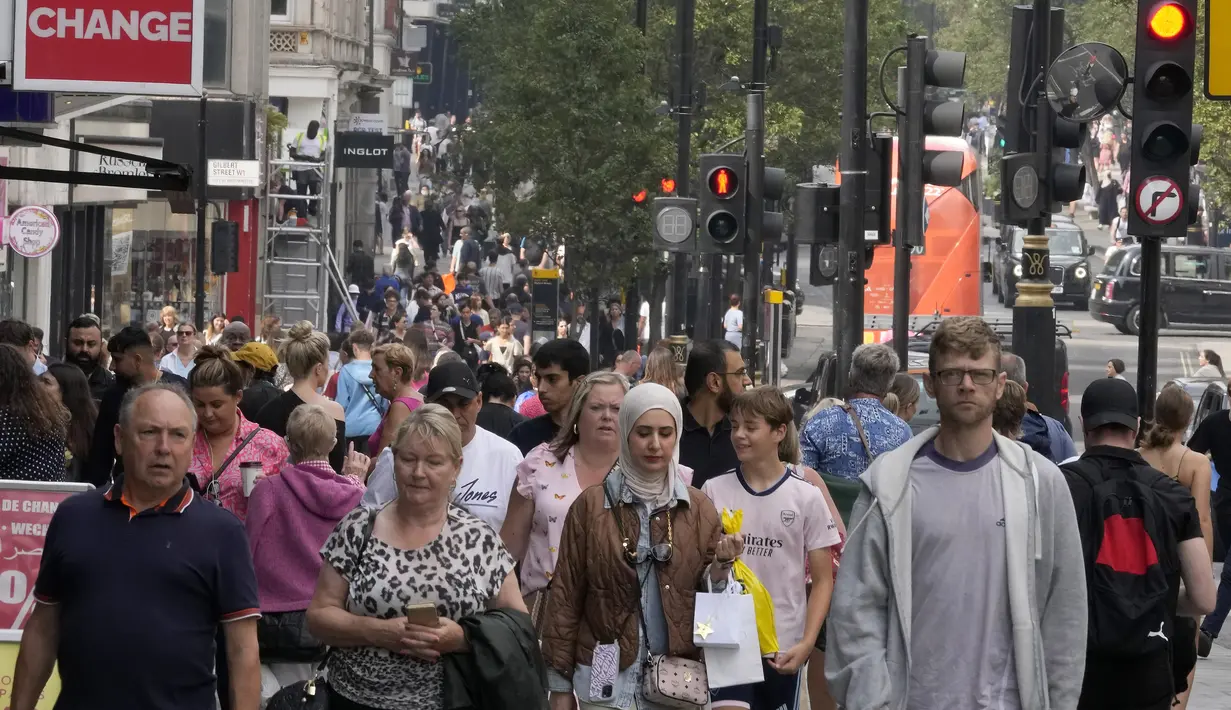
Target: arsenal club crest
point(788, 517)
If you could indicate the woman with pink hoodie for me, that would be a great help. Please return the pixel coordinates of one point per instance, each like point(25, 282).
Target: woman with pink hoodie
point(290, 516)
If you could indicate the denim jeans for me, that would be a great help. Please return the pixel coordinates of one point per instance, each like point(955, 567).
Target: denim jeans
point(1213, 622)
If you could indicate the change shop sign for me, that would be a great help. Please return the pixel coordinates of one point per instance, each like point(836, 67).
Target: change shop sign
point(150, 47)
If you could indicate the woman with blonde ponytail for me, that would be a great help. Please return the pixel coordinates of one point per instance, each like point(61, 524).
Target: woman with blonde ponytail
point(305, 352)
point(903, 396)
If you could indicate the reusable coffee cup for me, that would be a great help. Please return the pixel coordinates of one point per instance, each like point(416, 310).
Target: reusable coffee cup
point(249, 470)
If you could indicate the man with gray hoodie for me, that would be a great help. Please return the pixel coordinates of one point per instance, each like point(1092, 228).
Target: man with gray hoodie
point(962, 584)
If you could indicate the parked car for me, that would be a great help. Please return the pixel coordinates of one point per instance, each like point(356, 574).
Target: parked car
point(1070, 268)
point(1195, 289)
point(823, 380)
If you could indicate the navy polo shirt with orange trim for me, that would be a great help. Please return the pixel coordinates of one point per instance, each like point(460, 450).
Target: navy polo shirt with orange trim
point(140, 596)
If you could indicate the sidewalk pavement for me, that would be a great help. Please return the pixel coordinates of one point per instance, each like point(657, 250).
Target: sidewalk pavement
point(812, 337)
point(1212, 686)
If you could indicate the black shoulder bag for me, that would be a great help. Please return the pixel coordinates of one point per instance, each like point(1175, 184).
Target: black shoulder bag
point(310, 694)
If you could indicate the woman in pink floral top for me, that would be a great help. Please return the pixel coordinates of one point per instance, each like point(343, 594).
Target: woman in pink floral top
point(215, 384)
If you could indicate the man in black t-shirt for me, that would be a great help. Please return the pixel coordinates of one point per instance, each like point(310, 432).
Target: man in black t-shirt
point(1148, 680)
point(135, 363)
point(559, 365)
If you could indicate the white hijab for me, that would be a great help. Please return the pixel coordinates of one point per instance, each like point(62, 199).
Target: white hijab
point(652, 489)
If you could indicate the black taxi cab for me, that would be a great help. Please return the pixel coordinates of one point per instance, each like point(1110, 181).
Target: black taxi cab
point(1195, 289)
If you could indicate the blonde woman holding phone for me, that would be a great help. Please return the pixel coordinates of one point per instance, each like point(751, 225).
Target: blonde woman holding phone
point(397, 580)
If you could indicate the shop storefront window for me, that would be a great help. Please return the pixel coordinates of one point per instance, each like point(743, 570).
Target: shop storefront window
point(151, 261)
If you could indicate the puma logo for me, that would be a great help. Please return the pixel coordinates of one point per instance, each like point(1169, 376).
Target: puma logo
point(1158, 634)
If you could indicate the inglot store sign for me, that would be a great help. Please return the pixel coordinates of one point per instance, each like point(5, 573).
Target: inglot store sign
point(361, 149)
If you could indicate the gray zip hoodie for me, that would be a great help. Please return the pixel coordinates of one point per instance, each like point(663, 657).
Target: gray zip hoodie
point(868, 658)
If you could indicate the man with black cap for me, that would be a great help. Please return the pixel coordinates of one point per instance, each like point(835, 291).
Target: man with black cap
point(489, 463)
point(1141, 536)
point(135, 364)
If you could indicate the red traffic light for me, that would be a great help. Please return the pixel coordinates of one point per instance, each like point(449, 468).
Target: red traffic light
point(667, 185)
point(640, 196)
point(723, 183)
point(1169, 21)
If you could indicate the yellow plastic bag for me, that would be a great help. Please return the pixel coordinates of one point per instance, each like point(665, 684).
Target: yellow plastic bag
point(732, 521)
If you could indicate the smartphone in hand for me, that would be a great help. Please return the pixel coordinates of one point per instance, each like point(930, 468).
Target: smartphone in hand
point(422, 614)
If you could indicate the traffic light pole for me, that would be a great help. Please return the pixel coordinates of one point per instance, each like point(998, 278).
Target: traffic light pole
point(1147, 338)
point(632, 295)
point(848, 306)
point(685, 18)
point(1034, 314)
point(754, 143)
point(910, 188)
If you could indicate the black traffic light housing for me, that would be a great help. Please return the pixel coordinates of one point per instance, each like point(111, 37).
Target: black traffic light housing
point(1165, 143)
point(918, 166)
point(224, 247)
point(675, 224)
point(1024, 193)
point(774, 187)
point(720, 216)
point(877, 227)
point(816, 213)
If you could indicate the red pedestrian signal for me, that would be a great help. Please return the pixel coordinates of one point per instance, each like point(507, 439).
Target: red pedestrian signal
point(1170, 21)
point(640, 197)
point(723, 183)
point(667, 185)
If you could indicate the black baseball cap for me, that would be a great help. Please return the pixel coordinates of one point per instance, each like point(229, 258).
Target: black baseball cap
point(451, 378)
point(1109, 400)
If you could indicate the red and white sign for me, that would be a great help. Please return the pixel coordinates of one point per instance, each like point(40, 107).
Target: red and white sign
point(150, 47)
point(25, 513)
point(1159, 200)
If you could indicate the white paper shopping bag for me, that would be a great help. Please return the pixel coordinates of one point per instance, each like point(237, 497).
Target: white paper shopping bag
point(713, 624)
point(741, 665)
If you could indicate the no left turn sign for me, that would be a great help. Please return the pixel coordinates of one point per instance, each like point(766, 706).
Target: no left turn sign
point(1159, 200)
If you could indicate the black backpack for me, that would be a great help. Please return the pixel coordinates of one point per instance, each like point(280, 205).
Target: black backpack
point(471, 252)
point(1129, 558)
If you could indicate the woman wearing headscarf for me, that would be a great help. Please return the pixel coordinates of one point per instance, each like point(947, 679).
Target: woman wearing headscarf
point(633, 552)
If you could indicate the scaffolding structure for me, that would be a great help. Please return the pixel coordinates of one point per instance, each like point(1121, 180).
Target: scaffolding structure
point(300, 264)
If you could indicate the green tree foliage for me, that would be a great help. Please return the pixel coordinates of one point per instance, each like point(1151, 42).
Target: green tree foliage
point(805, 90)
point(567, 132)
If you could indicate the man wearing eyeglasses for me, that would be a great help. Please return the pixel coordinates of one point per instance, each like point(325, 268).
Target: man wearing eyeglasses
point(180, 361)
point(963, 582)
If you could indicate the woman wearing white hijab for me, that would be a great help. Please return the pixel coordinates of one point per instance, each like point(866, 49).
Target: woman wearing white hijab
point(634, 550)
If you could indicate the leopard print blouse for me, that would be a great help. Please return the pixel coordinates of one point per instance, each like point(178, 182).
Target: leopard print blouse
point(460, 572)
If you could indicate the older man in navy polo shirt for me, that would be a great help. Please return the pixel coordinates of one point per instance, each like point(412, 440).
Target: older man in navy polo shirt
point(136, 578)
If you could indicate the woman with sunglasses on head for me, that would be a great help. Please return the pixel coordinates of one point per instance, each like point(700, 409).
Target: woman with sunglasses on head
point(633, 552)
point(554, 474)
point(778, 505)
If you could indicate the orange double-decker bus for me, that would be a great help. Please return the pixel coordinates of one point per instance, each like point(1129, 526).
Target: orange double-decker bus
point(946, 273)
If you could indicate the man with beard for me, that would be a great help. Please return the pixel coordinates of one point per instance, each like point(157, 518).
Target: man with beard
point(963, 581)
point(85, 350)
point(135, 364)
point(714, 375)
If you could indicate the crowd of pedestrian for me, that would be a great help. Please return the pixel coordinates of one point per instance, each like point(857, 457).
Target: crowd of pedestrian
point(387, 530)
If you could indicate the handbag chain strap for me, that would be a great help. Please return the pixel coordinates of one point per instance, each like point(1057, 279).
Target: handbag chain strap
point(213, 488)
